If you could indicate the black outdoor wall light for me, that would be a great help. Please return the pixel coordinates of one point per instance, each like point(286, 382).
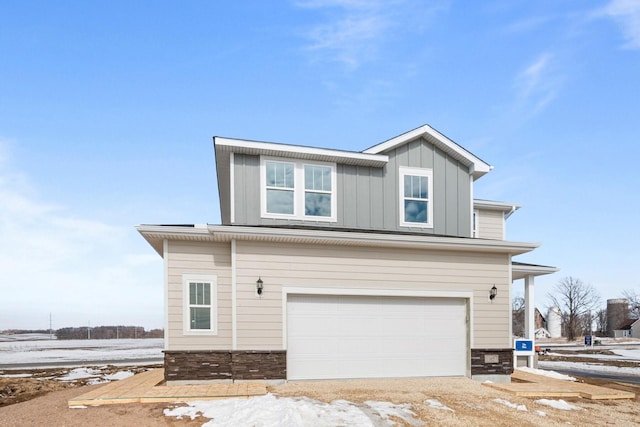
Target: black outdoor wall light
point(259, 286)
point(493, 292)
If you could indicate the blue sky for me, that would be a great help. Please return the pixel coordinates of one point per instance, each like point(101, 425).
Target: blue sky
point(107, 110)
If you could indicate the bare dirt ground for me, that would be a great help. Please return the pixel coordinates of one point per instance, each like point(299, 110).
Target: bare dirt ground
point(472, 403)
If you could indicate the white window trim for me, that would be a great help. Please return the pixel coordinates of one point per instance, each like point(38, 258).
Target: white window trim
point(416, 172)
point(298, 191)
point(204, 278)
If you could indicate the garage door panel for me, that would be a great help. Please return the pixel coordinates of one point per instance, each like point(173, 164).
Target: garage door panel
point(364, 337)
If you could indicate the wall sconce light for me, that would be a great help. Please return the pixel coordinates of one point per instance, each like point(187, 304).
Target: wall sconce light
point(493, 292)
point(259, 286)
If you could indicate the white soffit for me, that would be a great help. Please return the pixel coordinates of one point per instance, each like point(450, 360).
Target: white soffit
point(497, 206)
point(478, 166)
point(259, 148)
point(521, 270)
point(154, 234)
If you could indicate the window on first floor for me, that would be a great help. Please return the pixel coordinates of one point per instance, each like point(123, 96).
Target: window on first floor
point(298, 190)
point(416, 188)
point(200, 296)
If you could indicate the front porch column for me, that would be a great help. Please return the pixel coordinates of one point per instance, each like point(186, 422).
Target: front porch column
point(529, 313)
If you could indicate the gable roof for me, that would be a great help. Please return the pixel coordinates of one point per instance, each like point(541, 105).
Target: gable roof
point(477, 166)
point(374, 156)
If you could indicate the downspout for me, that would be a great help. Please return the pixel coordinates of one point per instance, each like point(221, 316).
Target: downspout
point(165, 258)
point(234, 298)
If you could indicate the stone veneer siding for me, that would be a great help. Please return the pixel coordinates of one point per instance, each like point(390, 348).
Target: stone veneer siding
point(491, 361)
point(203, 365)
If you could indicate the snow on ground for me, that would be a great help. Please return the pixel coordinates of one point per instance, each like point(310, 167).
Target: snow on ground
point(436, 404)
point(386, 410)
point(24, 337)
point(15, 375)
point(510, 405)
point(595, 367)
point(627, 354)
point(52, 352)
point(558, 404)
point(548, 374)
point(95, 376)
point(272, 411)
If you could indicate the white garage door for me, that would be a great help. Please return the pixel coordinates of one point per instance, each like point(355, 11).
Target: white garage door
point(375, 337)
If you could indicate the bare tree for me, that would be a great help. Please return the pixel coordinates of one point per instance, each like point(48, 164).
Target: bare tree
point(601, 321)
point(634, 303)
point(576, 301)
point(517, 316)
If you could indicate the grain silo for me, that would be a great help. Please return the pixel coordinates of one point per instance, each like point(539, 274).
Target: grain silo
point(617, 312)
point(554, 322)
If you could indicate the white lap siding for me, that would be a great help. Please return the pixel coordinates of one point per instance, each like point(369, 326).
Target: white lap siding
point(202, 258)
point(260, 319)
point(491, 224)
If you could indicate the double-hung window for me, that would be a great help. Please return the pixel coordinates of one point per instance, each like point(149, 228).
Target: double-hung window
point(416, 193)
point(298, 190)
point(280, 187)
point(200, 304)
point(317, 191)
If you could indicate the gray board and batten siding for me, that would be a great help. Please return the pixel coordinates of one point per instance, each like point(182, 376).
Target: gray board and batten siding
point(367, 197)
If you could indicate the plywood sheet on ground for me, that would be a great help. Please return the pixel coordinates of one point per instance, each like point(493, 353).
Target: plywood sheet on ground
point(532, 385)
point(148, 387)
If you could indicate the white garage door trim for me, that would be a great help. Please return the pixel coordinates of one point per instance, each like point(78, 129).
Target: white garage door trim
point(418, 305)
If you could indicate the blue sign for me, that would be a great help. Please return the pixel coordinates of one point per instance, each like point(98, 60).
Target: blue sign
point(524, 345)
point(587, 340)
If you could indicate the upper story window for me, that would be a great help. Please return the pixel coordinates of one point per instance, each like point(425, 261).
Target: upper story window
point(298, 190)
point(416, 192)
point(279, 186)
point(200, 296)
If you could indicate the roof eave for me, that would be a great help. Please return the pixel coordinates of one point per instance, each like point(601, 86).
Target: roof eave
point(299, 152)
point(156, 234)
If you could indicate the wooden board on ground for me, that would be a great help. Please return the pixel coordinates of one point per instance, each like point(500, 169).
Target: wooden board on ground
point(531, 385)
point(148, 387)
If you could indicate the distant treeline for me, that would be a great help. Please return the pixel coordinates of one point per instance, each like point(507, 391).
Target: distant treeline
point(95, 332)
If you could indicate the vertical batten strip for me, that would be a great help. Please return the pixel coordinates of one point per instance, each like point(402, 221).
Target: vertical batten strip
point(234, 298)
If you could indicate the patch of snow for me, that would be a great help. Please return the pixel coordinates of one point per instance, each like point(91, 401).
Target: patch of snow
point(510, 405)
point(387, 409)
point(624, 370)
point(62, 352)
point(548, 374)
point(121, 375)
point(15, 375)
point(558, 404)
point(272, 411)
point(541, 413)
point(79, 374)
point(436, 404)
point(77, 407)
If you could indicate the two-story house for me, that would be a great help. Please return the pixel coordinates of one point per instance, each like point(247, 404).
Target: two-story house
point(341, 264)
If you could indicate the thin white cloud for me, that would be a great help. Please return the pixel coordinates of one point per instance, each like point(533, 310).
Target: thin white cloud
point(77, 268)
point(352, 31)
point(538, 83)
point(627, 14)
